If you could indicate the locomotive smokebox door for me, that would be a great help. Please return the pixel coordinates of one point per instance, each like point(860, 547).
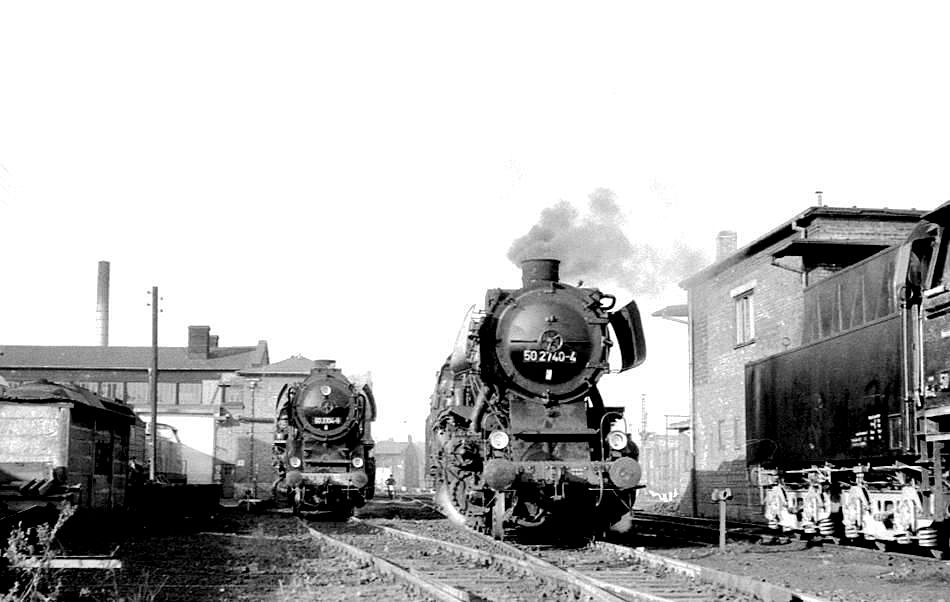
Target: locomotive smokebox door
point(629, 330)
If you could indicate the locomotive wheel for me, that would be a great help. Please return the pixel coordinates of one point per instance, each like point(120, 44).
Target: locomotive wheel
point(453, 493)
point(445, 499)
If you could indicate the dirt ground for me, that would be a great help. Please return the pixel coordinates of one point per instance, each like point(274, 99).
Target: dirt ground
point(830, 571)
point(235, 555)
point(231, 556)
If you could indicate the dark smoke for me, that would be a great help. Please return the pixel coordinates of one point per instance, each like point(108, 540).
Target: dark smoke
point(594, 248)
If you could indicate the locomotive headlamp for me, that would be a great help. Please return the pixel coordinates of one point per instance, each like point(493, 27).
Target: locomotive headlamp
point(617, 440)
point(357, 462)
point(498, 439)
point(295, 461)
point(325, 390)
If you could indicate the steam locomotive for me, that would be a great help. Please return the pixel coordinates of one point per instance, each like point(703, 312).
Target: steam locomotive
point(848, 432)
point(518, 438)
point(323, 445)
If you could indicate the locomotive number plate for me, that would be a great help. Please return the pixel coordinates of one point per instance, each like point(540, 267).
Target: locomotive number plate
point(557, 357)
point(325, 420)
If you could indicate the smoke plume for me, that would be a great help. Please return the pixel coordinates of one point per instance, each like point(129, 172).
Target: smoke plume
point(594, 247)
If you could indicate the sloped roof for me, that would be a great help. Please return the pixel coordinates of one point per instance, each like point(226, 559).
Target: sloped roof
point(221, 359)
point(44, 391)
point(680, 310)
point(292, 366)
point(788, 229)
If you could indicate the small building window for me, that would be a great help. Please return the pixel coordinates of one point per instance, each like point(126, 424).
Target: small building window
point(745, 317)
point(136, 392)
point(112, 390)
point(86, 384)
point(189, 393)
point(895, 429)
point(168, 393)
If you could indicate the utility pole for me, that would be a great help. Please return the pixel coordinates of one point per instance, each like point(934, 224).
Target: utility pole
point(252, 383)
point(643, 421)
point(153, 386)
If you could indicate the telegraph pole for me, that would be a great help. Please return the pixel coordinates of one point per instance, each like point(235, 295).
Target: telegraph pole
point(153, 386)
point(643, 422)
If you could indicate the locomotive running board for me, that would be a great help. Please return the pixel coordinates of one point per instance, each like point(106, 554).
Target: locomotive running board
point(629, 331)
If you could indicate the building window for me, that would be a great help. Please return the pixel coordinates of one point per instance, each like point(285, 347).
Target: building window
point(112, 390)
point(85, 384)
point(167, 393)
point(189, 393)
point(745, 315)
point(895, 428)
point(136, 392)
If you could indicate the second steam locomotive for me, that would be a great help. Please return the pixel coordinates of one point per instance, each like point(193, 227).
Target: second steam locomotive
point(518, 436)
point(323, 445)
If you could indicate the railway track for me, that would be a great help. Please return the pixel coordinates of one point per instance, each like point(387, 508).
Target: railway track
point(445, 571)
point(696, 530)
point(705, 531)
point(245, 556)
point(464, 565)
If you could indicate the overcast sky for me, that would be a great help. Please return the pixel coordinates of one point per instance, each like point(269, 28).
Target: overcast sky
point(343, 180)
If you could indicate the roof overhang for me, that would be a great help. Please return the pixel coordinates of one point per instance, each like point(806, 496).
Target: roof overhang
point(792, 227)
point(940, 215)
point(677, 313)
point(834, 252)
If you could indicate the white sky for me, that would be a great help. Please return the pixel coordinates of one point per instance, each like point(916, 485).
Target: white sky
point(345, 179)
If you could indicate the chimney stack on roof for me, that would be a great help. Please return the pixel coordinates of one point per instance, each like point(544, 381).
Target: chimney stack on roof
point(102, 304)
point(199, 342)
point(726, 244)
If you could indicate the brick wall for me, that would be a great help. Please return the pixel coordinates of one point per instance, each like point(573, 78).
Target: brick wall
point(719, 363)
point(244, 440)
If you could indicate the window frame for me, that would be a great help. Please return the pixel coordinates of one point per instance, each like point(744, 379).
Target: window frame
point(743, 298)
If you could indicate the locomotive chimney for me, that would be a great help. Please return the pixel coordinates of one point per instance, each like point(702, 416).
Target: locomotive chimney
point(102, 304)
point(537, 271)
point(325, 364)
point(725, 244)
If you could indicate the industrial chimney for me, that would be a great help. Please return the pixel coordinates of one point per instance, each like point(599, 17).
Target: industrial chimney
point(726, 243)
point(102, 304)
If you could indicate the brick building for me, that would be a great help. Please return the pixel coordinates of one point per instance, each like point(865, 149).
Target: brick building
point(221, 400)
point(192, 384)
point(401, 459)
point(748, 305)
